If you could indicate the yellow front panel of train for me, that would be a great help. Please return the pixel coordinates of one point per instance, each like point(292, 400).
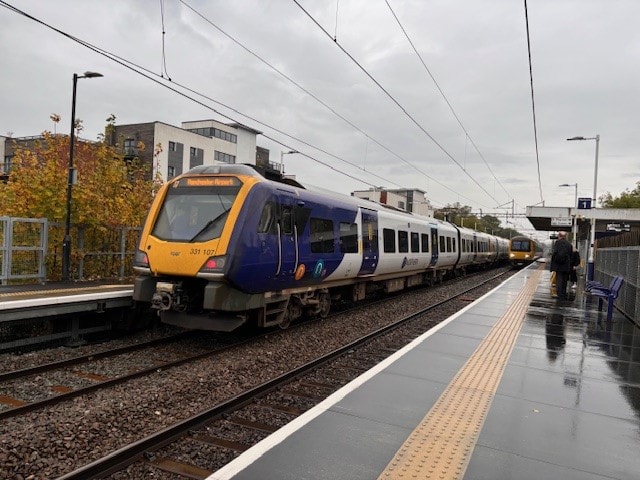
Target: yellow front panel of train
point(170, 258)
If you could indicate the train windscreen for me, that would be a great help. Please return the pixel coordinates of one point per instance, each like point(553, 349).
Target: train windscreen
point(520, 245)
point(196, 209)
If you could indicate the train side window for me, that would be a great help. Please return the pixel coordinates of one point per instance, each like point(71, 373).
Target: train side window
point(448, 244)
point(415, 242)
point(424, 240)
point(389, 240)
point(442, 244)
point(453, 244)
point(403, 241)
point(266, 223)
point(322, 240)
point(348, 237)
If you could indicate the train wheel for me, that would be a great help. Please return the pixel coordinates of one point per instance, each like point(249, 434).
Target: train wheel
point(324, 304)
point(293, 312)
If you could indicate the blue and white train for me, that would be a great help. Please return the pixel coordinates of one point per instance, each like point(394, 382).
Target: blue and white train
point(223, 246)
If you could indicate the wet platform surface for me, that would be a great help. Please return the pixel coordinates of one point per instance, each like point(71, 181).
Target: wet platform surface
point(567, 405)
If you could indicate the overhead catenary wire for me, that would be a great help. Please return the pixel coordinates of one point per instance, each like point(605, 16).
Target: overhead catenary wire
point(445, 97)
point(319, 100)
point(395, 101)
point(146, 73)
point(533, 101)
point(159, 79)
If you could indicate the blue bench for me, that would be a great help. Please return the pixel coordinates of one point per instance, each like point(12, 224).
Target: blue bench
point(591, 284)
point(608, 294)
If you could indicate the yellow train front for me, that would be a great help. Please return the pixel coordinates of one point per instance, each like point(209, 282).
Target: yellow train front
point(523, 251)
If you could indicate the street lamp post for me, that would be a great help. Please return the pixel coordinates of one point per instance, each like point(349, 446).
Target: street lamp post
point(592, 242)
point(66, 243)
point(282, 154)
point(574, 222)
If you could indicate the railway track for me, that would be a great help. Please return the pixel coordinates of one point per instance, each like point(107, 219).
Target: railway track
point(223, 431)
point(82, 377)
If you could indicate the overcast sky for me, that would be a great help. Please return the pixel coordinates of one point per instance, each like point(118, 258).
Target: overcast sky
point(276, 70)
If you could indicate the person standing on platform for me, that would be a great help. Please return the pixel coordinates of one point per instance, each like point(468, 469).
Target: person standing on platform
point(561, 263)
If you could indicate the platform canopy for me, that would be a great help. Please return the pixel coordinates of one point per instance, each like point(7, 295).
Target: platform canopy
point(607, 219)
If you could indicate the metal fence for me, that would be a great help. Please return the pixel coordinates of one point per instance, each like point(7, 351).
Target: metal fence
point(23, 249)
point(31, 250)
point(613, 261)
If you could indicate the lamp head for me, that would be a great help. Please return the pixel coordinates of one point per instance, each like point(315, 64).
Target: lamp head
point(92, 75)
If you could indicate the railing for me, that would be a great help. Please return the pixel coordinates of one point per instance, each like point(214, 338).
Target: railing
point(23, 248)
point(31, 251)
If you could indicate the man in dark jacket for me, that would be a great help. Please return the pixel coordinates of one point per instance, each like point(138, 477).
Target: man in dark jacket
point(561, 263)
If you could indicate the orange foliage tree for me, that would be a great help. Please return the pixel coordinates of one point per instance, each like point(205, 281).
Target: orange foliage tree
point(110, 192)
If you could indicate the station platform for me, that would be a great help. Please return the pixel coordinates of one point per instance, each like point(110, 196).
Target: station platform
point(518, 385)
point(25, 301)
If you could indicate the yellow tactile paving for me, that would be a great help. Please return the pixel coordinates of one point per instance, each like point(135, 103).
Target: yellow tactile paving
point(441, 446)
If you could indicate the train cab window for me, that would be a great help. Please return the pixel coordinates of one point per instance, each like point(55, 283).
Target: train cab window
point(348, 237)
point(424, 242)
point(443, 244)
point(389, 240)
point(322, 239)
point(448, 244)
point(403, 241)
point(266, 224)
point(415, 242)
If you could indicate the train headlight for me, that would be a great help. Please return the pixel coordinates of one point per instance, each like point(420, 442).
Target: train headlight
point(214, 265)
point(527, 256)
point(511, 255)
point(141, 259)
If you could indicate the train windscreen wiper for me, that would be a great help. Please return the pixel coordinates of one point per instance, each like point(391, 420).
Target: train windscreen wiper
point(209, 224)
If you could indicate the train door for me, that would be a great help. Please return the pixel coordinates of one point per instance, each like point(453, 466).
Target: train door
point(287, 239)
point(434, 246)
point(474, 247)
point(369, 242)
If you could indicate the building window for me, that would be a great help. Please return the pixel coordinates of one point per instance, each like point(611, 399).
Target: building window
point(171, 171)
point(224, 157)
point(6, 167)
point(215, 132)
point(172, 146)
point(192, 151)
point(129, 147)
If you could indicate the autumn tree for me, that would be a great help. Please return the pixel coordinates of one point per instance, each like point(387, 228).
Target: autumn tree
point(110, 192)
point(627, 199)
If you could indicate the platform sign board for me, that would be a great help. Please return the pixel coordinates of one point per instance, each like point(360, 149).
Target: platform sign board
point(584, 203)
point(561, 221)
point(618, 227)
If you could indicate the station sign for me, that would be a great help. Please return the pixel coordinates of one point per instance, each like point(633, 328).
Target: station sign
point(561, 221)
point(618, 227)
point(584, 203)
